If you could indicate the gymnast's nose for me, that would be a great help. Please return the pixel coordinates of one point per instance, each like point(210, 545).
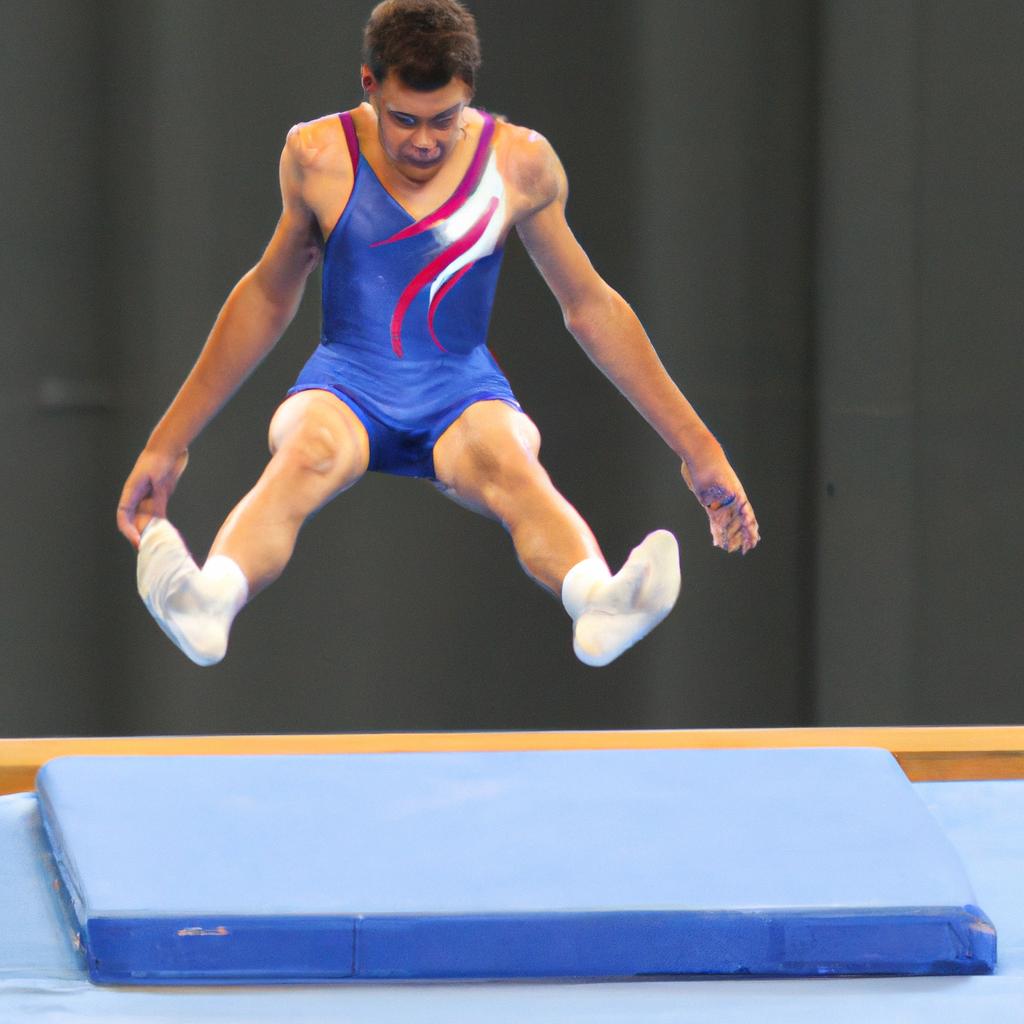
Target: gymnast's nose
point(423, 140)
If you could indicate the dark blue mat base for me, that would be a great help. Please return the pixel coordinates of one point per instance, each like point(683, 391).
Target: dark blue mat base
point(226, 950)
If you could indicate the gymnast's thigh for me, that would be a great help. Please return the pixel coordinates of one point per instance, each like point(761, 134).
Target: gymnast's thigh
point(491, 448)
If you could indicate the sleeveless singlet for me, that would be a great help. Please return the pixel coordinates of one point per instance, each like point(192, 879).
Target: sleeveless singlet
point(406, 306)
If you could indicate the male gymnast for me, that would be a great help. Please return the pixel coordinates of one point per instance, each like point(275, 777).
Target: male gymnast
point(408, 199)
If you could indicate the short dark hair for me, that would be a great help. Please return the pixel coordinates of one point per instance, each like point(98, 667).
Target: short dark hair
point(426, 43)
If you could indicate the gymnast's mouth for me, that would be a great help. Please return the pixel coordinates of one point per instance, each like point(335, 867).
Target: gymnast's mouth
point(431, 161)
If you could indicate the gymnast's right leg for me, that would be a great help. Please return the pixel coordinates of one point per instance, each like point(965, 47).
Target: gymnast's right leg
point(319, 448)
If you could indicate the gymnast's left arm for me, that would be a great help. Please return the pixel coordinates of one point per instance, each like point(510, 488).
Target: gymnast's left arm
point(612, 336)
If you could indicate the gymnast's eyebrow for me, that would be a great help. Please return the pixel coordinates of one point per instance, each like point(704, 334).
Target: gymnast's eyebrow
point(451, 111)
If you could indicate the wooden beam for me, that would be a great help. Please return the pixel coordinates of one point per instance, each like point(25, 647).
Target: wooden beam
point(931, 753)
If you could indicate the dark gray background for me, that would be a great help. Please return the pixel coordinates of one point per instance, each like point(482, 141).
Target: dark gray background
point(814, 207)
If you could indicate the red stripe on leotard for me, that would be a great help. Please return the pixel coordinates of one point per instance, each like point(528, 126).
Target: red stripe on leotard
point(435, 267)
point(436, 301)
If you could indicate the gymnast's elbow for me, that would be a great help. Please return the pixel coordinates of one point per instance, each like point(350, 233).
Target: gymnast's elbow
point(588, 318)
point(281, 278)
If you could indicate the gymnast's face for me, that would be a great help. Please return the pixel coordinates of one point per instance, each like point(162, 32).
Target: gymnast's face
point(417, 130)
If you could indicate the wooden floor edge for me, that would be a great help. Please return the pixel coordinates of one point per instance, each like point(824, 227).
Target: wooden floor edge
point(944, 753)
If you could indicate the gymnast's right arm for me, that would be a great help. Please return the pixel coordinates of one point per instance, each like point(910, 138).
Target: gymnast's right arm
point(255, 315)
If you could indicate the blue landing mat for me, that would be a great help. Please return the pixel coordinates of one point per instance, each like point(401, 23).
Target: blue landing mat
point(489, 865)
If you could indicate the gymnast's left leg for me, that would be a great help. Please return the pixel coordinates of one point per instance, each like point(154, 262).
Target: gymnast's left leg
point(488, 461)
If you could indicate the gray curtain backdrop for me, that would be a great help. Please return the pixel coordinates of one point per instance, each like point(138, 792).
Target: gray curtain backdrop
point(814, 207)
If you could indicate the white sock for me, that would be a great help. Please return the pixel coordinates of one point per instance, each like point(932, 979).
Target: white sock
point(610, 616)
point(194, 607)
point(580, 582)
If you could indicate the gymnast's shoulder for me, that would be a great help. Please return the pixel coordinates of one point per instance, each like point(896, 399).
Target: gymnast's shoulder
point(319, 144)
point(529, 163)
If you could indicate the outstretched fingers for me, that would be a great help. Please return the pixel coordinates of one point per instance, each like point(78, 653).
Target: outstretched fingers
point(718, 489)
point(733, 525)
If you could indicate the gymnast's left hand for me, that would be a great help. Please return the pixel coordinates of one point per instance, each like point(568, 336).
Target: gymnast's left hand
point(718, 489)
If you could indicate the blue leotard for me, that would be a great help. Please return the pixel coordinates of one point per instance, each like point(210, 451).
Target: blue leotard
point(406, 305)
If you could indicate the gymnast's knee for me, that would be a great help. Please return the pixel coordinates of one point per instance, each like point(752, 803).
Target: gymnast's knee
point(321, 446)
point(510, 476)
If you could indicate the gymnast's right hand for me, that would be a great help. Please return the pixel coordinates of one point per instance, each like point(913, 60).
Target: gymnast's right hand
point(147, 490)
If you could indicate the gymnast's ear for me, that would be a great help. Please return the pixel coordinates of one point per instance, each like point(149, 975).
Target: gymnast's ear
point(368, 82)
